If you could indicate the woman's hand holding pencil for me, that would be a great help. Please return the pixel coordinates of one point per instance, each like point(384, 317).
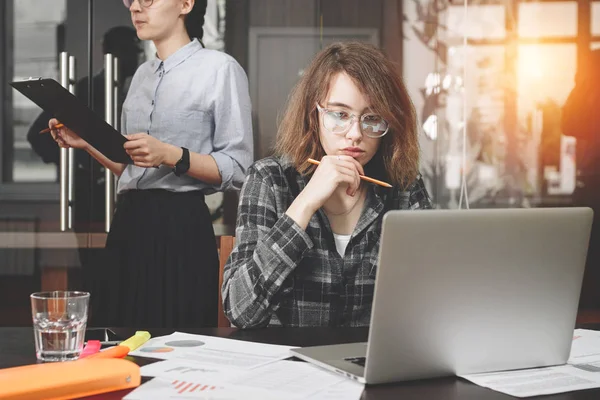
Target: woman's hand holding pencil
point(57, 126)
point(336, 175)
point(65, 137)
point(364, 178)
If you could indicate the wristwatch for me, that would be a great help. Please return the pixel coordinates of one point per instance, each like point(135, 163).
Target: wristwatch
point(182, 166)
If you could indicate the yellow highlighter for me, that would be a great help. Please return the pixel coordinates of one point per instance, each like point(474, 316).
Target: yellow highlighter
point(136, 340)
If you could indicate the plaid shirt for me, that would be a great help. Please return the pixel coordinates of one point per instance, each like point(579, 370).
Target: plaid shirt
point(282, 275)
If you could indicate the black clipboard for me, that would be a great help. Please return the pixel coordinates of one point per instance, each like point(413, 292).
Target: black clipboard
point(72, 112)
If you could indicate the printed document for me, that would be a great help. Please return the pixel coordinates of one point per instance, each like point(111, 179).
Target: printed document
point(277, 380)
point(212, 354)
point(581, 372)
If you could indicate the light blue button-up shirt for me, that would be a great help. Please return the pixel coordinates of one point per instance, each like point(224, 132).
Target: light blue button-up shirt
point(197, 98)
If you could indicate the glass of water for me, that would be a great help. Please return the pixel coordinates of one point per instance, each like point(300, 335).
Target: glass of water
point(59, 320)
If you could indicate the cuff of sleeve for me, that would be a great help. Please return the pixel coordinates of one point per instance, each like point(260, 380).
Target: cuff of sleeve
point(297, 238)
point(288, 242)
point(225, 165)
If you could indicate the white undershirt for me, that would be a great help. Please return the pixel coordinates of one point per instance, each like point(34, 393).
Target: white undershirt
point(341, 242)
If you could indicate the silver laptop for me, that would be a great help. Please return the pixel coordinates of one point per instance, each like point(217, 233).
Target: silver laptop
point(470, 291)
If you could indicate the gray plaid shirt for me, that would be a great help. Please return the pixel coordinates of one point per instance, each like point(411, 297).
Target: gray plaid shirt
point(281, 275)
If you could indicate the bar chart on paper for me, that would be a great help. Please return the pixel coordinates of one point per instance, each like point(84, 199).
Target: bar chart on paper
point(275, 381)
point(182, 387)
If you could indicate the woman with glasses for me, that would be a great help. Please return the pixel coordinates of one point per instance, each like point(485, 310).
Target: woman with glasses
point(188, 124)
point(307, 236)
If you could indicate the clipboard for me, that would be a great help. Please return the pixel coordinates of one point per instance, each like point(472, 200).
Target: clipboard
point(72, 112)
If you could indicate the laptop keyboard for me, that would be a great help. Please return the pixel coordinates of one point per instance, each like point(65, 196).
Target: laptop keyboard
point(357, 360)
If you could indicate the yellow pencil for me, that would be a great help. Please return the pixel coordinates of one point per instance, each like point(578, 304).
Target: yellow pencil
point(364, 178)
point(57, 126)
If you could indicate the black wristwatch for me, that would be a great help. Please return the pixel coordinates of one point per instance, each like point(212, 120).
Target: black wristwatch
point(183, 164)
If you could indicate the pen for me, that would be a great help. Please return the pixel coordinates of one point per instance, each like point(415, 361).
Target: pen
point(48, 129)
point(364, 178)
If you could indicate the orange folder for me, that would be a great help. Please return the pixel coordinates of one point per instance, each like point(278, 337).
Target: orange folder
point(67, 380)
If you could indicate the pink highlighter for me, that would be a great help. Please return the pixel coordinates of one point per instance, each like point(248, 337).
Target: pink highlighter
point(92, 347)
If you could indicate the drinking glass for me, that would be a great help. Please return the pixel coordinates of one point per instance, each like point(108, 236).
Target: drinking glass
point(59, 321)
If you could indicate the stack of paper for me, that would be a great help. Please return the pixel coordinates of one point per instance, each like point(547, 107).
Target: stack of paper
point(581, 372)
point(205, 367)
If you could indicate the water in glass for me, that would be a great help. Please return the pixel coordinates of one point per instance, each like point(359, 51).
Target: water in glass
point(59, 321)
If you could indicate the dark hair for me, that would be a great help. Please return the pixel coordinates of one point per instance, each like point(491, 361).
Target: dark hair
point(379, 79)
point(195, 20)
point(120, 39)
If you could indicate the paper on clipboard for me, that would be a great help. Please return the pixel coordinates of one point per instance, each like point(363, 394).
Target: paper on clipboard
point(71, 111)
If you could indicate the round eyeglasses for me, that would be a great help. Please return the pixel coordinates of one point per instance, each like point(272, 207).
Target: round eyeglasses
point(339, 122)
point(143, 3)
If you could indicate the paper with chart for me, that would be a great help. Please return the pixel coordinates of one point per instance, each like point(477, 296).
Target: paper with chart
point(213, 354)
point(586, 347)
point(160, 388)
point(539, 381)
point(581, 372)
point(277, 380)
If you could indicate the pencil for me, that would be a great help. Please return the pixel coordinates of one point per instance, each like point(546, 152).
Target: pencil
point(48, 129)
point(364, 178)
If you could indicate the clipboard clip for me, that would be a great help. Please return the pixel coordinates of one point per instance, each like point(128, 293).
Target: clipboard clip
point(34, 78)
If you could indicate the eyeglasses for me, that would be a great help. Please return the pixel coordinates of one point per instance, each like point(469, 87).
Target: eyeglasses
point(143, 3)
point(339, 122)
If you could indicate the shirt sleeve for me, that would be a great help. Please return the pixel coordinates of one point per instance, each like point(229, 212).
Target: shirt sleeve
point(268, 248)
point(419, 198)
point(232, 140)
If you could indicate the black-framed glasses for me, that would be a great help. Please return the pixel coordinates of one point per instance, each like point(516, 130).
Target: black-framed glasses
point(143, 3)
point(339, 122)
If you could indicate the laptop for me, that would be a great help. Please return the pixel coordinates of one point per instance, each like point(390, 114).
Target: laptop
point(471, 291)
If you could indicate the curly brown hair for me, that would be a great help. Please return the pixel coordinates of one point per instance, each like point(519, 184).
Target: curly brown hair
point(379, 79)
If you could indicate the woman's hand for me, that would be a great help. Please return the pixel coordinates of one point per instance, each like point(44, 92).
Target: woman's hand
point(333, 172)
point(147, 151)
point(65, 137)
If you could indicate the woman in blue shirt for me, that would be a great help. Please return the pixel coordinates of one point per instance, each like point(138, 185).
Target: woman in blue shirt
point(187, 118)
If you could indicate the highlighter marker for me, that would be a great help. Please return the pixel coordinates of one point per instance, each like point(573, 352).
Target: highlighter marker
point(113, 352)
point(92, 347)
point(136, 340)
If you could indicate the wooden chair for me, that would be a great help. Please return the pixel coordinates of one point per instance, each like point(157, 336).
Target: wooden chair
point(225, 245)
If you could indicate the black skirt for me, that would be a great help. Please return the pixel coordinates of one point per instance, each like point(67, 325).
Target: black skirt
point(160, 266)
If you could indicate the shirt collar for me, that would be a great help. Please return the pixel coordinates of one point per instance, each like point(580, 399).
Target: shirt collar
point(178, 57)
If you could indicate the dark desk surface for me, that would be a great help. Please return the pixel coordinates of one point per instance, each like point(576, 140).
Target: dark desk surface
point(17, 348)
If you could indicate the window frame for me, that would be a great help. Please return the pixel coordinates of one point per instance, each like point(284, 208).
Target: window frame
point(14, 191)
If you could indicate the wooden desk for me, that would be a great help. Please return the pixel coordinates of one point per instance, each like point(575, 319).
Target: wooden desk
point(17, 348)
